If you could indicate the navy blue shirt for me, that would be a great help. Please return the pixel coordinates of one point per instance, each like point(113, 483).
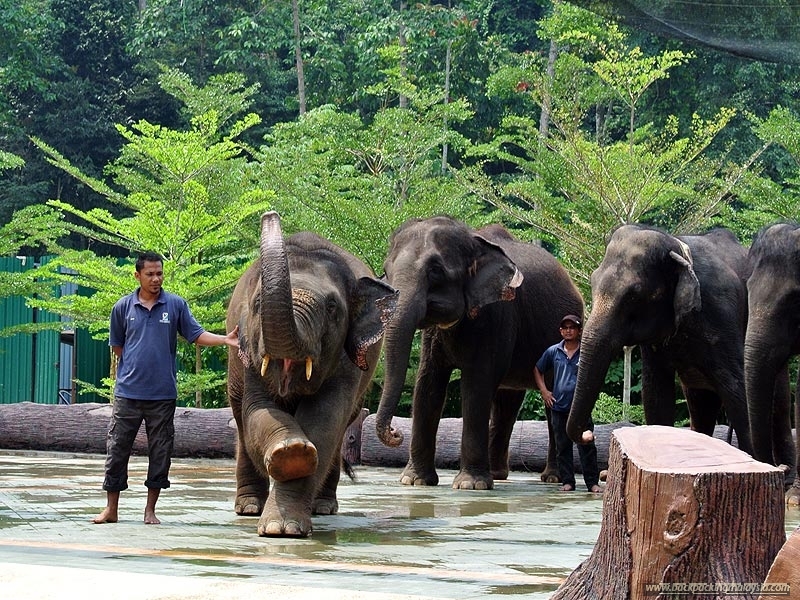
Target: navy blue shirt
point(565, 374)
point(148, 367)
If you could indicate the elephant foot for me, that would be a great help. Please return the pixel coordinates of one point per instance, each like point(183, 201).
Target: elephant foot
point(499, 473)
point(550, 475)
point(793, 495)
point(469, 481)
point(325, 506)
point(248, 506)
point(291, 459)
point(410, 476)
point(284, 522)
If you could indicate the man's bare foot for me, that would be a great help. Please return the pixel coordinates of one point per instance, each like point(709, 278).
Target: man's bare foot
point(566, 488)
point(596, 489)
point(107, 516)
point(150, 518)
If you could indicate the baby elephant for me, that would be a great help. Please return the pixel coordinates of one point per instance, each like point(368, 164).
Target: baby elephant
point(311, 319)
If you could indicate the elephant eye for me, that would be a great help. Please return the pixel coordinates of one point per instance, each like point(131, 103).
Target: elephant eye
point(436, 273)
point(331, 306)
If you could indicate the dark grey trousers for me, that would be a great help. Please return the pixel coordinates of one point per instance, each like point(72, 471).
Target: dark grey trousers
point(126, 418)
point(587, 453)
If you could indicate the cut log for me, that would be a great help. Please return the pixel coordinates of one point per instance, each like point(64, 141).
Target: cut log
point(783, 579)
point(351, 444)
point(199, 432)
point(681, 509)
point(527, 448)
point(211, 433)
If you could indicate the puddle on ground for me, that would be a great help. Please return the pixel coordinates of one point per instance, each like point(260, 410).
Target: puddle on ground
point(519, 540)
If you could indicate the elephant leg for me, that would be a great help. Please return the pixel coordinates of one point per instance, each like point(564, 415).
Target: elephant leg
point(252, 488)
point(325, 421)
point(783, 451)
point(430, 391)
point(505, 409)
point(252, 485)
point(726, 376)
point(287, 512)
point(793, 493)
point(325, 502)
point(273, 437)
point(550, 473)
point(658, 387)
point(704, 408)
point(475, 389)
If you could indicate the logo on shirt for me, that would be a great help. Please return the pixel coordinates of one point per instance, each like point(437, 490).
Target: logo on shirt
point(164, 317)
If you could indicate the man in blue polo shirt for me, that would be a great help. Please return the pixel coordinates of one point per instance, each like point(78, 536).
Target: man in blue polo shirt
point(144, 331)
point(563, 359)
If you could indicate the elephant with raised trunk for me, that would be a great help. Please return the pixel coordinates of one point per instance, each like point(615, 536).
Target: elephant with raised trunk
point(773, 337)
point(487, 304)
point(311, 318)
point(683, 301)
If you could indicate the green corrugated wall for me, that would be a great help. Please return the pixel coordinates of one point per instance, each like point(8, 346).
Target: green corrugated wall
point(16, 364)
point(29, 364)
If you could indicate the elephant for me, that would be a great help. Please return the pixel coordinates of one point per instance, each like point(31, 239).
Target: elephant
point(311, 318)
point(773, 337)
point(486, 304)
point(683, 301)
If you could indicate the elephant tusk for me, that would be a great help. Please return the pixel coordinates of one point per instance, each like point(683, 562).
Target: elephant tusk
point(309, 367)
point(264, 365)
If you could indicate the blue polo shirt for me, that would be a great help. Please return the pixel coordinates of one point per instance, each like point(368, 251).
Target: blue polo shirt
point(148, 367)
point(565, 374)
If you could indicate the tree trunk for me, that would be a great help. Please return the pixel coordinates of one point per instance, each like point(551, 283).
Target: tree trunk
point(402, 42)
point(681, 508)
point(544, 117)
point(446, 100)
point(298, 58)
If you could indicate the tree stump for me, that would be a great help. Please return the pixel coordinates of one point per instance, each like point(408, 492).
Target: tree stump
point(681, 509)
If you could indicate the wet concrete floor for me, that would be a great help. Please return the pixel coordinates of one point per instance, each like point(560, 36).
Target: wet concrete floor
point(519, 540)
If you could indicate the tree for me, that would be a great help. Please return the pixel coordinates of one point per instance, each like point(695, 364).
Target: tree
point(354, 183)
point(186, 194)
point(574, 184)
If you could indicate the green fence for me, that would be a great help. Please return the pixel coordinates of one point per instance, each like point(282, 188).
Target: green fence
point(42, 367)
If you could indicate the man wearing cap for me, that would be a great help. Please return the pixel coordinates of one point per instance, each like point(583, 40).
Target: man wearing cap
point(563, 359)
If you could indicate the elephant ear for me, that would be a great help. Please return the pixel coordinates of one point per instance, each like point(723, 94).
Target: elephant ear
point(371, 310)
point(687, 290)
point(492, 277)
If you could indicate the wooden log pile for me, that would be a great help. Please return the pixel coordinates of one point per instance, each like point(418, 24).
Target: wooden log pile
point(527, 448)
point(211, 433)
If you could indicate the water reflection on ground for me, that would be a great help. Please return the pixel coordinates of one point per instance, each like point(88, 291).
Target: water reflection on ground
point(519, 540)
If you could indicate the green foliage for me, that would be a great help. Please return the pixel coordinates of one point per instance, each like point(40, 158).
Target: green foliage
point(572, 185)
point(533, 408)
point(611, 410)
point(354, 183)
point(185, 194)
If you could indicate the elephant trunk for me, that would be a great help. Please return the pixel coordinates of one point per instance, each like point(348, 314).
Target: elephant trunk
point(397, 351)
point(278, 327)
point(762, 365)
point(598, 345)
